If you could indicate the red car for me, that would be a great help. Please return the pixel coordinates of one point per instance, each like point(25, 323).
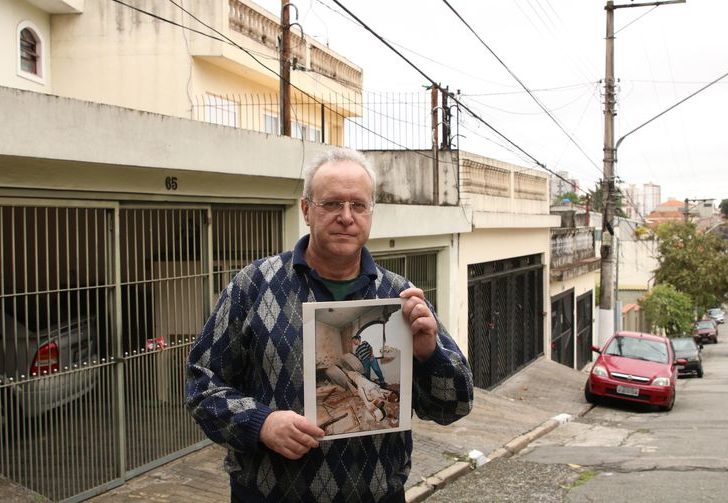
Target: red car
point(704, 331)
point(635, 367)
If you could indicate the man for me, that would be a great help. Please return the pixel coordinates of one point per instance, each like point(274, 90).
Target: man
point(245, 371)
point(364, 352)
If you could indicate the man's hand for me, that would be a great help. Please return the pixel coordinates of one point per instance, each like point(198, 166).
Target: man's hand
point(289, 434)
point(422, 323)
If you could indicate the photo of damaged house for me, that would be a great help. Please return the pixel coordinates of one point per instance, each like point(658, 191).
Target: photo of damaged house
point(363, 367)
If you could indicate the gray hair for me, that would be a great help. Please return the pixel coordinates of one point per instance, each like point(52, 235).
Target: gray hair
point(338, 155)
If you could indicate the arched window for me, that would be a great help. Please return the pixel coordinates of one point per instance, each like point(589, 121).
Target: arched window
point(29, 52)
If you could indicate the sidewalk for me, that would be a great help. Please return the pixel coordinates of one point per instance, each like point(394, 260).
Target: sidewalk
point(503, 421)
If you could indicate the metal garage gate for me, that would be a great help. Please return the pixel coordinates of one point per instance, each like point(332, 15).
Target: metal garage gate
point(584, 310)
point(562, 328)
point(505, 320)
point(101, 303)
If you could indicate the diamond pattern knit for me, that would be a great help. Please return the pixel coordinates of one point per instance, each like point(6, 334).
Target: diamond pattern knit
point(248, 361)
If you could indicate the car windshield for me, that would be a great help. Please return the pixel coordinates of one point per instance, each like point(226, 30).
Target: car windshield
point(637, 348)
point(704, 324)
point(715, 311)
point(683, 344)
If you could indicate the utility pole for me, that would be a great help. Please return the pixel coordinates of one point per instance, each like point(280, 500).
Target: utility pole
point(435, 151)
point(607, 316)
point(285, 70)
point(446, 134)
point(606, 274)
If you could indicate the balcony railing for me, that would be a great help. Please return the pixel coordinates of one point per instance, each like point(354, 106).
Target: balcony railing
point(571, 246)
point(265, 30)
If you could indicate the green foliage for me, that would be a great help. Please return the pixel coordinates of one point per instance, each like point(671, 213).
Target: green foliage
point(668, 309)
point(724, 207)
point(694, 263)
point(571, 196)
point(597, 200)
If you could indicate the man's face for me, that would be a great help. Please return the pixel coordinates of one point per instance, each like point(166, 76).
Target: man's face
point(341, 233)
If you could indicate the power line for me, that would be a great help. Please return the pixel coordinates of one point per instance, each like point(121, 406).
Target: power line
point(530, 93)
point(222, 38)
point(543, 89)
point(436, 85)
point(407, 49)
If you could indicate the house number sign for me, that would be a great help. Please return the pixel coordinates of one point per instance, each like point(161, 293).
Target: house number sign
point(171, 183)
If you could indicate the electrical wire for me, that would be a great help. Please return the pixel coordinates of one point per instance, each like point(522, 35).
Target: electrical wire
point(571, 102)
point(543, 89)
point(222, 38)
point(436, 85)
point(530, 93)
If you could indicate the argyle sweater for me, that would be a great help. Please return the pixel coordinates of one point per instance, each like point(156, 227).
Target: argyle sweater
point(248, 362)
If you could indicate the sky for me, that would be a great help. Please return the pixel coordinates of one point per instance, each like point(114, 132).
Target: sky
point(556, 48)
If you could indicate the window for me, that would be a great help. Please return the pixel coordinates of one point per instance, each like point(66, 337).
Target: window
point(271, 124)
point(31, 52)
point(221, 111)
point(29, 55)
point(419, 268)
point(306, 132)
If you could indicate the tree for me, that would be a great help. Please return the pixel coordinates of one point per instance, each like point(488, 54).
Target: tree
point(667, 309)
point(695, 263)
point(597, 200)
point(571, 196)
point(724, 207)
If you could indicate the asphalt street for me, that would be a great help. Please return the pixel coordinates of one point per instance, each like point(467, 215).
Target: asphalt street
point(619, 452)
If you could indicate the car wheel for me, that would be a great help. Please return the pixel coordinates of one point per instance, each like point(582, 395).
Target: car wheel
point(700, 371)
point(589, 396)
point(670, 405)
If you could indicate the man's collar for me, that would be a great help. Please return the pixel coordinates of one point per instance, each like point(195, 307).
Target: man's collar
point(367, 265)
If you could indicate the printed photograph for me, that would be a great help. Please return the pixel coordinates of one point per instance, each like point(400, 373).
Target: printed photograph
point(357, 367)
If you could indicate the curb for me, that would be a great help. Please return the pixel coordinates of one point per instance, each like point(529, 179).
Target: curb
point(424, 489)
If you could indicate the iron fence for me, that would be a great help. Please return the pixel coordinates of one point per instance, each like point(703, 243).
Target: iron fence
point(101, 303)
point(358, 120)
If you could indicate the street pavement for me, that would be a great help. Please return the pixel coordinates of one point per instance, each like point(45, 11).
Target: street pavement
point(504, 420)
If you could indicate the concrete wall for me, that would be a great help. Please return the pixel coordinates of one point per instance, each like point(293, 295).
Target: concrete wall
point(408, 177)
point(637, 263)
point(485, 245)
point(497, 187)
point(100, 151)
point(112, 54)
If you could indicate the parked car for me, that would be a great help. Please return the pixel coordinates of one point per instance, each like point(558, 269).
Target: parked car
point(635, 367)
point(705, 331)
point(716, 314)
point(685, 347)
point(36, 352)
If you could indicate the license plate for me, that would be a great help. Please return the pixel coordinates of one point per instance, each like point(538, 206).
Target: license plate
point(681, 367)
point(627, 390)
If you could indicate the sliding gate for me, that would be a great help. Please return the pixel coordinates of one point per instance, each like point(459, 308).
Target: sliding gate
point(505, 317)
point(101, 303)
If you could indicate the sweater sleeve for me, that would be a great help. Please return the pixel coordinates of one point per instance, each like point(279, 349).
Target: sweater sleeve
point(442, 386)
point(213, 377)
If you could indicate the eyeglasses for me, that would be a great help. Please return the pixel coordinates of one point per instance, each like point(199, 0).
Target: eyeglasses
point(335, 206)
